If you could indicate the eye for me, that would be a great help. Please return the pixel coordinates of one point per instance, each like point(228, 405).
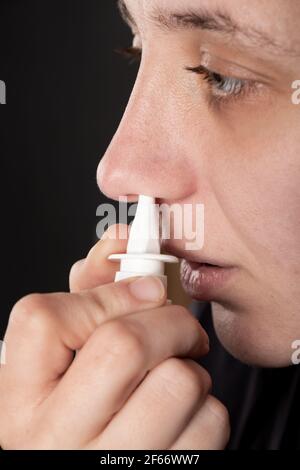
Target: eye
point(132, 54)
point(222, 87)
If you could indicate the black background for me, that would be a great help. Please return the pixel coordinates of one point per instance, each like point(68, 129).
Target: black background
point(66, 92)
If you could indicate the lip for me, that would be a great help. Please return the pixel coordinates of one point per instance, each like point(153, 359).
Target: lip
point(203, 278)
point(202, 282)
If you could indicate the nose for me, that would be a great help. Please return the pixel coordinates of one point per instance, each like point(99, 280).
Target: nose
point(149, 153)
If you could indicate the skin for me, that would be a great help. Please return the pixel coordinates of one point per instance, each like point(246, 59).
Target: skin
point(126, 388)
point(239, 158)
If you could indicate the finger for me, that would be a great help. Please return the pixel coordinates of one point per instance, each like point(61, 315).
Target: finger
point(209, 428)
point(159, 408)
point(112, 363)
point(96, 269)
point(45, 330)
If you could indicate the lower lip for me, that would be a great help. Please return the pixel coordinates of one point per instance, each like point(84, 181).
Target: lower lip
point(204, 282)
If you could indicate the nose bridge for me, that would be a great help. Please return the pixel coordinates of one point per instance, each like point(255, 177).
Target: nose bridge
point(145, 152)
point(147, 105)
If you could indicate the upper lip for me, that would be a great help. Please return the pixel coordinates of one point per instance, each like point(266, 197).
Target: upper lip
point(191, 256)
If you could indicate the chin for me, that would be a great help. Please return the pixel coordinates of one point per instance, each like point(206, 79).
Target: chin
point(248, 341)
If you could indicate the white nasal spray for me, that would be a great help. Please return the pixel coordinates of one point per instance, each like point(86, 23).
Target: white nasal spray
point(143, 257)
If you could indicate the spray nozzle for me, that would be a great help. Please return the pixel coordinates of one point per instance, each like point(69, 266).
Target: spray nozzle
point(143, 255)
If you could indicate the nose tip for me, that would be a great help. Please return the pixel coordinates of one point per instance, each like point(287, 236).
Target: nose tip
point(130, 172)
point(113, 181)
point(103, 177)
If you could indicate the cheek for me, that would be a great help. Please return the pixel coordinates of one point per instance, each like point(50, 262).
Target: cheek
point(257, 184)
point(251, 168)
point(259, 192)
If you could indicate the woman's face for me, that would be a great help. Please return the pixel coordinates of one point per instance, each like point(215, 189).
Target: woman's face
point(225, 135)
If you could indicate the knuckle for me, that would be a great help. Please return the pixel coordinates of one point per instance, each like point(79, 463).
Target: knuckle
point(184, 378)
point(31, 311)
point(122, 339)
point(105, 300)
point(180, 310)
point(112, 300)
point(94, 304)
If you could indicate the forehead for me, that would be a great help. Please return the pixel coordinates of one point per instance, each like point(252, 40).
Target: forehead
point(279, 18)
point(267, 27)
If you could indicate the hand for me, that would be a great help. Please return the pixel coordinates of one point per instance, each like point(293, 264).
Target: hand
point(106, 366)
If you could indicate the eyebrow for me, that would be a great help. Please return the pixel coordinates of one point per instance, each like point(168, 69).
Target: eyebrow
point(206, 20)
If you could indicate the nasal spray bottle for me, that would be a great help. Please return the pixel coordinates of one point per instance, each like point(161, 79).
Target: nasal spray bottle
point(143, 257)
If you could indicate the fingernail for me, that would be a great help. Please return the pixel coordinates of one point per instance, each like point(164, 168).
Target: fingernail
point(147, 288)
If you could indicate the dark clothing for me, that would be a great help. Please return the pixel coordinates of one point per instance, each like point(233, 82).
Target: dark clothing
point(264, 404)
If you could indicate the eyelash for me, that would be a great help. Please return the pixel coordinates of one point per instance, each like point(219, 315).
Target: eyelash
point(222, 87)
point(132, 54)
